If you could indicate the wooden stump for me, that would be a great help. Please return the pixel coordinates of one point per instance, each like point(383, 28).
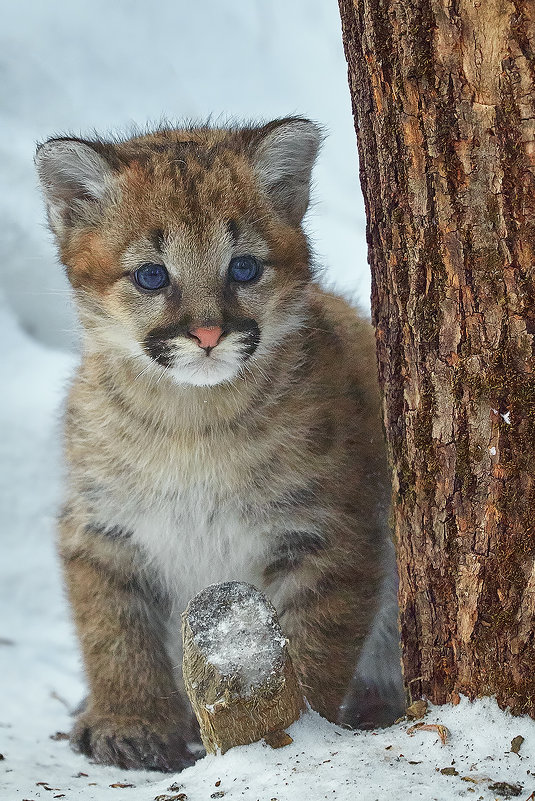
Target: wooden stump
point(237, 670)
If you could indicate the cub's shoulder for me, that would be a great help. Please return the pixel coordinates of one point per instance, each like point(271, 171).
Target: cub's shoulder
point(342, 330)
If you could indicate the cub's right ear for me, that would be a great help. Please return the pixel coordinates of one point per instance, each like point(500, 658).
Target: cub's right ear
point(75, 180)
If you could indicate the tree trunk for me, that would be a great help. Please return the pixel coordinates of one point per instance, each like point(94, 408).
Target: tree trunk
point(443, 98)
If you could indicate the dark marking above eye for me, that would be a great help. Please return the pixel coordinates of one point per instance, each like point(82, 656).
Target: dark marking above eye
point(232, 228)
point(157, 238)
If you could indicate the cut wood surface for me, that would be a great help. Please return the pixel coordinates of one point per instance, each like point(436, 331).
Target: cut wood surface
point(237, 670)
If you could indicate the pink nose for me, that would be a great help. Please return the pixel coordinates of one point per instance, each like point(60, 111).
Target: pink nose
point(207, 337)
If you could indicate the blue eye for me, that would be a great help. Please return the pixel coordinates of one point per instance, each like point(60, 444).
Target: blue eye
point(151, 276)
point(244, 268)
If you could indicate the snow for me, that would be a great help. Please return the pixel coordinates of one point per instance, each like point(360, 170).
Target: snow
point(244, 641)
point(41, 677)
point(325, 761)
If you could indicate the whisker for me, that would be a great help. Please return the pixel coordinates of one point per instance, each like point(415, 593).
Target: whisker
point(164, 371)
point(147, 367)
point(312, 328)
point(249, 372)
point(42, 292)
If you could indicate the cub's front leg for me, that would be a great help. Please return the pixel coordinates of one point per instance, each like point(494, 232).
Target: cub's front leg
point(326, 603)
point(135, 716)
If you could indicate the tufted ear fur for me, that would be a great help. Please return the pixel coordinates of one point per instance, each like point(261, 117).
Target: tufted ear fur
point(283, 156)
point(75, 180)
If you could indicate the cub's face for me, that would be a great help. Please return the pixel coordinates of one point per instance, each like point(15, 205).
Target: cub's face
point(185, 248)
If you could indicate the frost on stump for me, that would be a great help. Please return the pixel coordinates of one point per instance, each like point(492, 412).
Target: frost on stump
point(237, 670)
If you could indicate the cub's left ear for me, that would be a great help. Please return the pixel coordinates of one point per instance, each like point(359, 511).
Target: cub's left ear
point(284, 152)
point(75, 180)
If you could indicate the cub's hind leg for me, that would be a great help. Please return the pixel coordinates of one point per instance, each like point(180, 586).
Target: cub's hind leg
point(134, 717)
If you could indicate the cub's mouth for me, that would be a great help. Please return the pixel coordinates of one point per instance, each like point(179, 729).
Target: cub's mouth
point(203, 355)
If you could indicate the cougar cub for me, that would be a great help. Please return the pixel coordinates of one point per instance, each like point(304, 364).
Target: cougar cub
point(223, 423)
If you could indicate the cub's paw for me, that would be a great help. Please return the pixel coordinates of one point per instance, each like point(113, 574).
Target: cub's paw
point(130, 743)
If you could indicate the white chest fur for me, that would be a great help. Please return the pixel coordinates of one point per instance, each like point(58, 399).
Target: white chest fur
point(187, 521)
point(195, 539)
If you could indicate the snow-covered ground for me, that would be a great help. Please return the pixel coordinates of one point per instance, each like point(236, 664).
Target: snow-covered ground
point(40, 675)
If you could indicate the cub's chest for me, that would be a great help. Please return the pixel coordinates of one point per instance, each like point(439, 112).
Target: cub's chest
point(197, 536)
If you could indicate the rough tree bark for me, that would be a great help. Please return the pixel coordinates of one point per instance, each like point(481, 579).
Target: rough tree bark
point(444, 104)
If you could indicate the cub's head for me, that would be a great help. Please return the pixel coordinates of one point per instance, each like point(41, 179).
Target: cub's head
point(185, 247)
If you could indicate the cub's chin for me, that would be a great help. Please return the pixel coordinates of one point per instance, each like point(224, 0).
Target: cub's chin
point(205, 372)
